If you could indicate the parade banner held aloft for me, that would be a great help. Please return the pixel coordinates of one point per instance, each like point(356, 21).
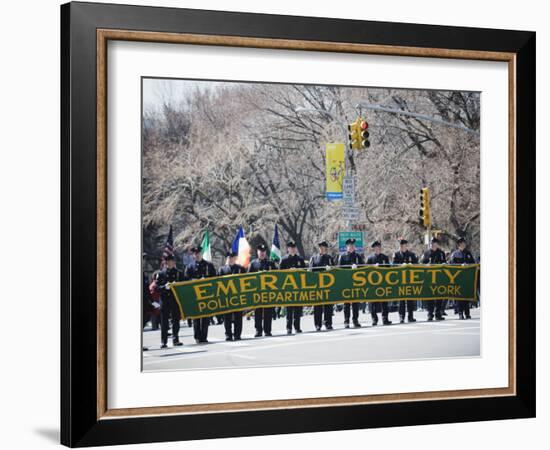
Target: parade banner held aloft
point(219, 295)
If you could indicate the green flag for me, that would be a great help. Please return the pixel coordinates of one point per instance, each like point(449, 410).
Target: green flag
point(205, 245)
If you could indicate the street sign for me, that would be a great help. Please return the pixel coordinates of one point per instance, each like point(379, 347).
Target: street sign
point(350, 213)
point(343, 236)
point(348, 190)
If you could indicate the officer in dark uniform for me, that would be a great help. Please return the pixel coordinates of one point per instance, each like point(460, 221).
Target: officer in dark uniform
point(434, 256)
point(462, 256)
point(262, 316)
point(351, 259)
point(200, 268)
point(168, 304)
point(292, 261)
point(378, 258)
point(405, 256)
point(234, 319)
point(318, 262)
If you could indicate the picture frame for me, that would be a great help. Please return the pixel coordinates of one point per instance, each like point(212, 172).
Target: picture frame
point(86, 28)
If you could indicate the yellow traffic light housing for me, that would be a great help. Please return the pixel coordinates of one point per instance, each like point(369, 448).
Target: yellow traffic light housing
point(354, 135)
point(359, 134)
point(425, 218)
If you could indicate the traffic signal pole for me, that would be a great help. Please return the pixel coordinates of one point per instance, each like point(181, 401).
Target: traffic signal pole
point(345, 133)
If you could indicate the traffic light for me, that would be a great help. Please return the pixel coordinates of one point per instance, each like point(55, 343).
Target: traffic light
point(359, 134)
point(364, 133)
point(425, 218)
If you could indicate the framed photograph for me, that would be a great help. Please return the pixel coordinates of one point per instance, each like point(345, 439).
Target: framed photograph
point(274, 224)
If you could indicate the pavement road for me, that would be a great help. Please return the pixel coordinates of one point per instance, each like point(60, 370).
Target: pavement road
point(451, 338)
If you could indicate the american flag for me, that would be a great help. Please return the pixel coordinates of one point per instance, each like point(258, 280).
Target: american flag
point(168, 247)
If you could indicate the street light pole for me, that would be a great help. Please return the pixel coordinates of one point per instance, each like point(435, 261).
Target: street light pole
point(346, 139)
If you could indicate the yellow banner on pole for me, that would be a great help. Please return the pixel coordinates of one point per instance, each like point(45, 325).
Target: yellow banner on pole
point(335, 167)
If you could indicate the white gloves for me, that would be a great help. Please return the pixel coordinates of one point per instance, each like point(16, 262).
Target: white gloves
point(354, 266)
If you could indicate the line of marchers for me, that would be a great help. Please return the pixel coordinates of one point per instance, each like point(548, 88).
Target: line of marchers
point(284, 287)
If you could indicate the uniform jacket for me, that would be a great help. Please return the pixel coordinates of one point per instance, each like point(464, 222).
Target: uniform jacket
point(200, 269)
point(168, 276)
point(347, 259)
point(259, 265)
point(228, 269)
point(462, 257)
point(405, 257)
point(378, 259)
point(292, 262)
point(321, 261)
point(434, 257)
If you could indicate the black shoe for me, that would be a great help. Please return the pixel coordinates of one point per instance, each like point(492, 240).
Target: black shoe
point(329, 327)
point(443, 313)
point(317, 328)
point(356, 325)
point(177, 344)
point(268, 334)
point(163, 346)
point(468, 317)
point(237, 338)
point(145, 349)
point(401, 319)
point(299, 330)
point(258, 334)
point(411, 319)
point(439, 318)
point(386, 322)
point(346, 324)
point(204, 341)
point(288, 331)
point(228, 338)
point(430, 318)
point(461, 316)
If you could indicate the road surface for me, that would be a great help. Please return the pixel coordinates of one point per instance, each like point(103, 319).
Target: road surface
point(421, 340)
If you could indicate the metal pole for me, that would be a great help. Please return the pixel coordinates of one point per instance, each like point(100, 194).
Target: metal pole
point(346, 138)
point(401, 112)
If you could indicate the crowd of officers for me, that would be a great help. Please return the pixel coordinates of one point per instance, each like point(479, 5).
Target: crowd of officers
point(263, 317)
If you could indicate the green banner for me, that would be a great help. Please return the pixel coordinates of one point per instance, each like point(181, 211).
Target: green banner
point(219, 295)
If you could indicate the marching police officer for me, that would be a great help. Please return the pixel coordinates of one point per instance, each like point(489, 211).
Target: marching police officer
point(292, 261)
point(434, 256)
point(262, 316)
point(200, 268)
point(351, 259)
point(462, 256)
point(405, 256)
point(168, 304)
point(378, 258)
point(322, 261)
point(234, 319)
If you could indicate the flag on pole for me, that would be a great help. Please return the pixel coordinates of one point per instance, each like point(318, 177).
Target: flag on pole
point(168, 247)
point(205, 245)
point(242, 248)
point(275, 253)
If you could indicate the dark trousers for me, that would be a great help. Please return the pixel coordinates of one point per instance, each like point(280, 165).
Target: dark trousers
point(293, 314)
point(463, 307)
point(235, 320)
point(434, 305)
point(200, 328)
point(375, 307)
point(318, 312)
point(262, 319)
point(169, 308)
point(409, 306)
point(354, 310)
